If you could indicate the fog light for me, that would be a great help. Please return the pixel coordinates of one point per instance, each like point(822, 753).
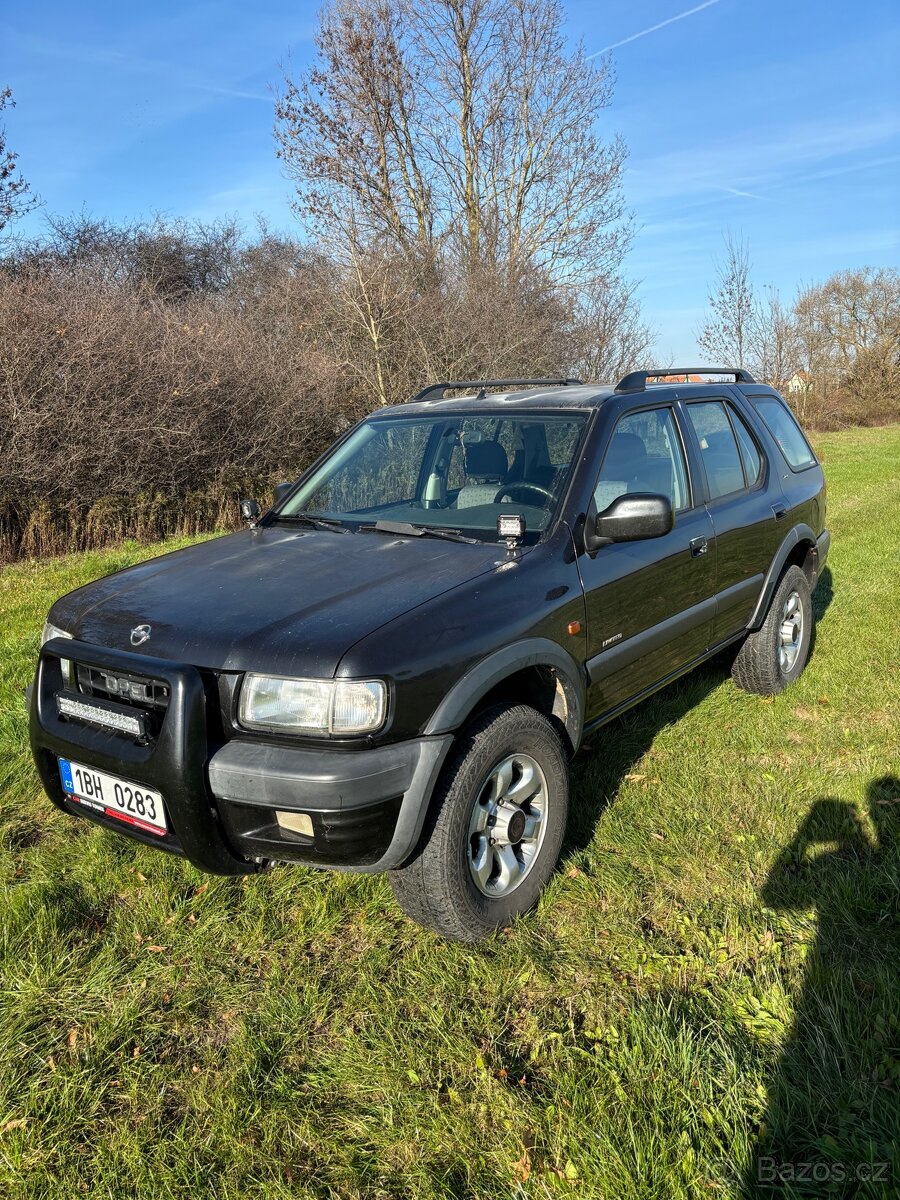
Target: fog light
point(295, 822)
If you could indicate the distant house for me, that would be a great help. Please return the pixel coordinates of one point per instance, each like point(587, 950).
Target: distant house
point(680, 379)
point(799, 382)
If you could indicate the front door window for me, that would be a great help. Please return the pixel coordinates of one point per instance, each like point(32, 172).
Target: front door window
point(644, 455)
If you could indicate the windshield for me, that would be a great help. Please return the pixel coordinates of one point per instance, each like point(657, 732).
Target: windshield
point(441, 472)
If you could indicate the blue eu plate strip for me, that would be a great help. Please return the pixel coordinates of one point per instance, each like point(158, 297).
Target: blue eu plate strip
point(65, 774)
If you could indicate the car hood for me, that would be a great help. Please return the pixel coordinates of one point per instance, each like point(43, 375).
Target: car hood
point(283, 600)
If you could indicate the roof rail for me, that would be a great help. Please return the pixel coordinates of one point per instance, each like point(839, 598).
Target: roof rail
point(636, 381)
point(438, 389)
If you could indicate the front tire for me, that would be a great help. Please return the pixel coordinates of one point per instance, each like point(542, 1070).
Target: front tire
point(494, 827)
point(774, 655)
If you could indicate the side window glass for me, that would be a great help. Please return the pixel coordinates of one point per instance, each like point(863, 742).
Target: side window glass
point(749, 453)
point(787, 433)
point(644, 455)
point(718, 449)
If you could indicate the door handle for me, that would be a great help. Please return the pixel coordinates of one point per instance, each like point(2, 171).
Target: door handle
point(699, 545)
point(780, 510)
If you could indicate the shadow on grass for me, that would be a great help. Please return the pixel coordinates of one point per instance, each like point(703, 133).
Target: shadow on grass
point(824, 594)
point(598, 770)
point(821, 599)
point(833, 1121)
point(609, 754)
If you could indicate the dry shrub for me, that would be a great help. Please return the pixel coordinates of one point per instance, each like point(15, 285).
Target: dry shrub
point(124, 414)
point(151, 376)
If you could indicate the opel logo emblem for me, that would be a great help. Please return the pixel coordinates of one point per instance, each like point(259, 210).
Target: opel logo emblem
point(140, 634)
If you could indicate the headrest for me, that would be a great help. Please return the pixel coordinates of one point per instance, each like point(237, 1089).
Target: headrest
point(721, 442)
point(486, 459)
point(627, 446)
point(627, 455)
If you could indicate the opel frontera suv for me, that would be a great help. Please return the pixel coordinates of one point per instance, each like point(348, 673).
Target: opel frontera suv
point(390, 669)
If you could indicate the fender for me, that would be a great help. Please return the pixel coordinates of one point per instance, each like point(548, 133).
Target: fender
point(800, 533)
point(530, 652)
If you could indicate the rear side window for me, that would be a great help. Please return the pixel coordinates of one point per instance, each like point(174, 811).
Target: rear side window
point(718, 449)
point(749, 452)
point(782, 425)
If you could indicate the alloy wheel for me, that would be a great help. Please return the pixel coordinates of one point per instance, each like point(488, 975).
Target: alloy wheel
point(790, 632)
point(507, 826)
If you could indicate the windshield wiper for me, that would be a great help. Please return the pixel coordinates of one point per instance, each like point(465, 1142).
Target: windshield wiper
point(407, 529)
point(305, 518)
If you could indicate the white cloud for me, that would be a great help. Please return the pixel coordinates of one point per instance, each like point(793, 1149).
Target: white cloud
point(751, 164)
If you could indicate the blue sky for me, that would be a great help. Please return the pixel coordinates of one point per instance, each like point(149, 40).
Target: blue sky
point(776, 119)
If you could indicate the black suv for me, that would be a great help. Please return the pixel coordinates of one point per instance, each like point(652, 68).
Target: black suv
point(389, 670)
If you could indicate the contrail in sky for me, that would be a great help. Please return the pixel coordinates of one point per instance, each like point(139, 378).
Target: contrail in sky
point(653, 28)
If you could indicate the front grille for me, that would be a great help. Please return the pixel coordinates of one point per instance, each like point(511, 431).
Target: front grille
point(137, 691)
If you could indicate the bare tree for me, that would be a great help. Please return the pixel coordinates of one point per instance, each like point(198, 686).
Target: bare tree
point(16, 197)
point(611, 331)
point(727, 333)
point(774, 345)
point(460, 125)
point(849, 328)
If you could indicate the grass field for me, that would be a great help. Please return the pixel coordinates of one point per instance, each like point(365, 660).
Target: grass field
point(710, 986)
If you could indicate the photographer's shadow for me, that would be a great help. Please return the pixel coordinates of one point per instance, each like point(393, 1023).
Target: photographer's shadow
point(832, 1126)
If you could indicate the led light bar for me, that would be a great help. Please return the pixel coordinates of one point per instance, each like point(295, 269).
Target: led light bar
point(511, 526)
point(94, 714)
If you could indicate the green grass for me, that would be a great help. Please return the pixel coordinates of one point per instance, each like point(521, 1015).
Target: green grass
point(713, 974)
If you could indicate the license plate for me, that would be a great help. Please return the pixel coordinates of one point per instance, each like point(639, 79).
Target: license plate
point(114, 797)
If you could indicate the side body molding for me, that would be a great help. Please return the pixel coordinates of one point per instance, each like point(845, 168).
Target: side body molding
point(800, 533)
point(530, 652)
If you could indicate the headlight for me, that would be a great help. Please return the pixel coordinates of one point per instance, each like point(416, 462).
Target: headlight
point(322, 706)
point(54, 631)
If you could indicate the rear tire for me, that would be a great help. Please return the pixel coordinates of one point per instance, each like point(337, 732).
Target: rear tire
point(774, 655)
point(494, 828)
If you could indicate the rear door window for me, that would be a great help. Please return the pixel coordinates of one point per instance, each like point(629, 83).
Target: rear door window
point(718, 448)
point(749, 451)
point(782, 424)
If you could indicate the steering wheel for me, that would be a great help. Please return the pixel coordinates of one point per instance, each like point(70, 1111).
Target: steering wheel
point(524, 486)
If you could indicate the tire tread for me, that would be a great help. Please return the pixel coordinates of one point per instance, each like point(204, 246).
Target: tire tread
point(425, 887)
point(755, 668)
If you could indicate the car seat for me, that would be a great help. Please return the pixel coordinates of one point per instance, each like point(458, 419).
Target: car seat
point(531, 458)
point(486, 467)
point(629, 468)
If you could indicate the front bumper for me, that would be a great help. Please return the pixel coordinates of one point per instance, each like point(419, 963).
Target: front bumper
point(366, 806)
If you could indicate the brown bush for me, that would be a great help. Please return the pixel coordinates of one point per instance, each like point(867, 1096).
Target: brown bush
point(151, 376)
point(122, 413)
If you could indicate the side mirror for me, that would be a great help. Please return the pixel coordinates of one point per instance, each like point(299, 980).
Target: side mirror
point(631, 518)
point(250, 511)
point(281, 490)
